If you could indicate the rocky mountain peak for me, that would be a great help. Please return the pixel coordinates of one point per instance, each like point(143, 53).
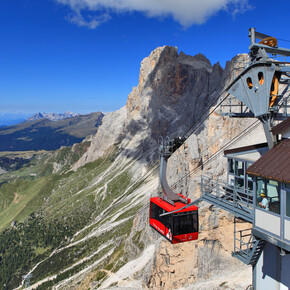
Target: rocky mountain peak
point(171, 87)
point(174, 90)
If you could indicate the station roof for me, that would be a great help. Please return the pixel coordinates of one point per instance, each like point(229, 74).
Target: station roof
point(248, 153)
point(275, 164)
point(281, 127)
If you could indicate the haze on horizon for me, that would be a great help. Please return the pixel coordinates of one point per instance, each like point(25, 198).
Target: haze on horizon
point(84, 55)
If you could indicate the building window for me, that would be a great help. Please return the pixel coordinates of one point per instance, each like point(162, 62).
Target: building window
point(250, 183)
point(239, 168)
point(237, 174)
point(239, 182)
point(287, 187)
point(288, 203)
point(231, 166)
point(271, 189)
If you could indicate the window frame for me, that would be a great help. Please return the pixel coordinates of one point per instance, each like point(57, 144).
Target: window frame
point(246, 178)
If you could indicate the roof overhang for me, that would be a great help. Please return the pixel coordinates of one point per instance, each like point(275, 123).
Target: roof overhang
point(275, 164)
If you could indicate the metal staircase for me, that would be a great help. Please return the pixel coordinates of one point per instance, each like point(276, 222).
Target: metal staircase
point(247, 247)
point(236, 200)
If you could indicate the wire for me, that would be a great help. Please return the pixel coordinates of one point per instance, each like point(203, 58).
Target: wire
point(203, 118)
point(283, 39)
point(213, 156)
point(193, 129)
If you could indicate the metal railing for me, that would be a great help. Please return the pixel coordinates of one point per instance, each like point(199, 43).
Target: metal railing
point(246, 247)
point(284, 107)
point(236, 200)
point(243, 242)
point(235, 108)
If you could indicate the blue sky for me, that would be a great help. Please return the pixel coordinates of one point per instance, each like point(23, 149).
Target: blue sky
point(84, 55)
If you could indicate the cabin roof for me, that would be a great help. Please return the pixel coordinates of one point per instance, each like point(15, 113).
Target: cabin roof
point(281, 127)
point(275, 164)
point(247, 153)
point(246, 148)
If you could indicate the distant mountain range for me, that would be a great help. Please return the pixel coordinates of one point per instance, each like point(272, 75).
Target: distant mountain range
point(52, 116)
point(44, 134)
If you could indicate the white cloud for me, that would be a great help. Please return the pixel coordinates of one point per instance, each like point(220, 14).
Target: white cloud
point(185, 12)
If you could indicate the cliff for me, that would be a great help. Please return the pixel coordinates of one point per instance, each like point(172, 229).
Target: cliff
point(174, 92)
point(105, 193)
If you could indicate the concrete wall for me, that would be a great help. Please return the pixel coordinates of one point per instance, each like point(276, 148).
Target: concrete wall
point(272, 270)
point(267, 221)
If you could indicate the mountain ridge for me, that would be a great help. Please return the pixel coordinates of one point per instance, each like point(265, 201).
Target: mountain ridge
point(44, 134)
point(53, 116)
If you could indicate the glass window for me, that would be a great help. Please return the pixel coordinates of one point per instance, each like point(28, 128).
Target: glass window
point(185, 223)
point(271, 189)
point(260, 186)
point(248, 164)
point(156, 211)
point(287, 185)
point(288, 203)
point(273, 195)
point(239, 168)
point(250, 183)
point(239, 182)
point(231, 166)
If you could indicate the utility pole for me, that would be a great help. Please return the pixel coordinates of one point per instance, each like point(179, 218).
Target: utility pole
point(27, 280)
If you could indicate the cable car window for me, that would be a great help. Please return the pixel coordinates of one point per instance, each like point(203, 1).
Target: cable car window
point(249, 83)
point(185, 223)
point(156, 211)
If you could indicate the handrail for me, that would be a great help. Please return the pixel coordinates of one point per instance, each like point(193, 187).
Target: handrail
point(236, 200)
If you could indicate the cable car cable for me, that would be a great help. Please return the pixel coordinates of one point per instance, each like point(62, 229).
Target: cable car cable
point(233, 141)
point(254, 126)
point(213, 156)
point(202, 120)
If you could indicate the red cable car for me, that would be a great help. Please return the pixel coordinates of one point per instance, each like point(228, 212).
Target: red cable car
point(177, 227)
point(171, 215)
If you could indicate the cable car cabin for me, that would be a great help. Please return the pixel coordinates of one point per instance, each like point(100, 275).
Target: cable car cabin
point(177, 227)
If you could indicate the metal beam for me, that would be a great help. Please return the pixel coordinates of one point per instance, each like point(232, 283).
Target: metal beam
point(270, 49)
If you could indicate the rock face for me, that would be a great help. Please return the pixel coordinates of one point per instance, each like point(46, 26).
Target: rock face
point(175, 96)
point(174, 93)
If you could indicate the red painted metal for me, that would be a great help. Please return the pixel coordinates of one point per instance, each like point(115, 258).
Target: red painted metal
point(177, 205)
point(162, 229)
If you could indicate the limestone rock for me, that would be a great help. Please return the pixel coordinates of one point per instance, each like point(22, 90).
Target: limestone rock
point(175, 94)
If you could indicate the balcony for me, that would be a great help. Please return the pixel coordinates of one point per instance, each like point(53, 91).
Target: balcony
point(235, 200)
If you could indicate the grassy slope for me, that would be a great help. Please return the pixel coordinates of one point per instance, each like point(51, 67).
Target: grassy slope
point(67, 203)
